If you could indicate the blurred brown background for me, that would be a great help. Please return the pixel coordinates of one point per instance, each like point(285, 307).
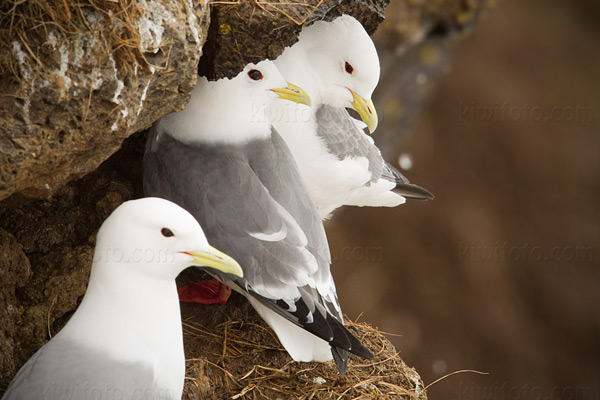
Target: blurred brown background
point(500, 273)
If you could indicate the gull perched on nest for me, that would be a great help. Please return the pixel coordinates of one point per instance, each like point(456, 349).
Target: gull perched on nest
point(220, 159)
point(337, 64)
point(123, 343)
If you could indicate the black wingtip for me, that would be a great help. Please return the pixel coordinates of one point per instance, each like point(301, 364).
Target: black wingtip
point(344, 339)
point(358, 348)
point(340, 356)
point(341, 336)
point(413, 192)
point(406, 189)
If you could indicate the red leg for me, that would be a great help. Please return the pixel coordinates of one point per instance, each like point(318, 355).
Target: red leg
point(206, 292)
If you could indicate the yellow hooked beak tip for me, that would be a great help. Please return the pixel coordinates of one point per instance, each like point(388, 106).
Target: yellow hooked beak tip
point(217, 260)
point(293, 93)
point(366, 110)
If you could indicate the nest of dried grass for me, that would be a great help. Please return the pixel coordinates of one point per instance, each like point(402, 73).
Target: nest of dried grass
point(28, 25)
point(232, 354)
point(297, 11)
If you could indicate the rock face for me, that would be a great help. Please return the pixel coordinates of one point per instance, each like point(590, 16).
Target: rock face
point(46, 258)
point(15, 274)
point(77, 85)
point(250, 32)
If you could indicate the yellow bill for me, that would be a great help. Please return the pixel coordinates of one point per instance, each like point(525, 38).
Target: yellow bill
point(366, 110)
point(217, 260)
point(293, 93)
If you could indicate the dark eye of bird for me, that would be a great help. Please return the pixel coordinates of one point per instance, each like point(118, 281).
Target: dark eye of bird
point(255, 75)
point(348, 67)
point(166, 232)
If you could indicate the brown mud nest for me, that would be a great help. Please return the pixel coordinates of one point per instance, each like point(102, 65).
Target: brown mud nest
point(232, 354)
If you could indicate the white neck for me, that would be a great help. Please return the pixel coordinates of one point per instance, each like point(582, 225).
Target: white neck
point(217, 114)
point(105, 321)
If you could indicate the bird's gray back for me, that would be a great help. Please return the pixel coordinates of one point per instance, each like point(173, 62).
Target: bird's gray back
point(62, 369)
point(244, 196)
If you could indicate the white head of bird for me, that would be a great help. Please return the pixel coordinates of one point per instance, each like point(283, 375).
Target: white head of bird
point(232, 111)
point(337, 64)
point(153, 239)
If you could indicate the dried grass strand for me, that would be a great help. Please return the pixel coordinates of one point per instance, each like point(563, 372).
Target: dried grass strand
point(454, 373)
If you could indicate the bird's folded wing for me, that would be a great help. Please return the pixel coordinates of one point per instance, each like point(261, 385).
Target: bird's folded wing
point(244, 200)
point(344, 139)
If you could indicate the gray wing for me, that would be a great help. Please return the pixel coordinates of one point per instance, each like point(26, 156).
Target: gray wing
point(253, 205)
point(344, 139)
point(62, 370)
point(275, 239)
